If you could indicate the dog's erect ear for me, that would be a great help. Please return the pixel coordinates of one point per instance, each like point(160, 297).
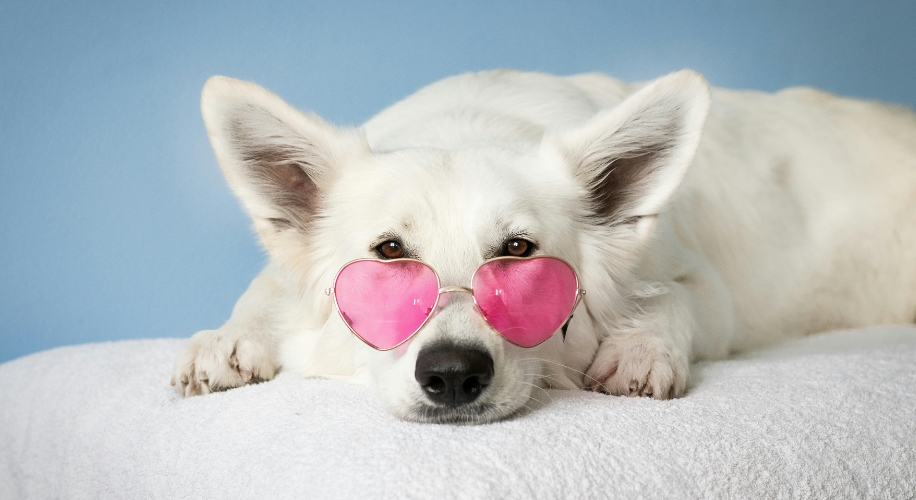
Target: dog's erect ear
point(632, 157)
point(277, 159)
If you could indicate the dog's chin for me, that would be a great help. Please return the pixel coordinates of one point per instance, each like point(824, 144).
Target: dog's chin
point(478, 413)
point(471, 415)
point(461, 415)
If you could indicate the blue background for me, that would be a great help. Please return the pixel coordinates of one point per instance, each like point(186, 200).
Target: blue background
point(115, 221)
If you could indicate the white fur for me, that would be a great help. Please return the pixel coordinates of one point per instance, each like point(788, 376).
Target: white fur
point(797, 214)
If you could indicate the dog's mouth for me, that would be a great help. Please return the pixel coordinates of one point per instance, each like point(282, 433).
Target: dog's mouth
point(481, 413)
point(460, 415)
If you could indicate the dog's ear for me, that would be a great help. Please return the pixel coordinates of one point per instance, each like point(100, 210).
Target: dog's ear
point(632, 157)
point(277, 159)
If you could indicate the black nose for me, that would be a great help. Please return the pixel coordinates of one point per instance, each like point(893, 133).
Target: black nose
point(453, 375)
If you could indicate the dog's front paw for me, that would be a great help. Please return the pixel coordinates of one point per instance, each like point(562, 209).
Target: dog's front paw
point(638, 365)
point(215, 360)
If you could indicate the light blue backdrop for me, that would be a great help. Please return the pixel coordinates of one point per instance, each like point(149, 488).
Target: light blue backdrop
point(114, 219)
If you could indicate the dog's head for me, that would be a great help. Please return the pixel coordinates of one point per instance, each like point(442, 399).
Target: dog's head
point(320, 197)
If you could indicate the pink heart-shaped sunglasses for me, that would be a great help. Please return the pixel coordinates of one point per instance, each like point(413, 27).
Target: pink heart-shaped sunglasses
point(524, 299)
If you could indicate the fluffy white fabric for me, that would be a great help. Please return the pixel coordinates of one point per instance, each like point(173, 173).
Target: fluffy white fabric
point(829, 416)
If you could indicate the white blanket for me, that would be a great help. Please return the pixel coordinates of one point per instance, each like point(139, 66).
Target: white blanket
point(829, 416)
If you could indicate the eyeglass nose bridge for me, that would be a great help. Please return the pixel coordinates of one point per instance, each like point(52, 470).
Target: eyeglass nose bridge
point(456, 289)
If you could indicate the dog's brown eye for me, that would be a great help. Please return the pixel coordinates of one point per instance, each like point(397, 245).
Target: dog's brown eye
point(517, 247)
point(390, 250)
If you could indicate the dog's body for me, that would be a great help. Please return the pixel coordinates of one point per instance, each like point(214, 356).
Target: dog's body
point(797, 215)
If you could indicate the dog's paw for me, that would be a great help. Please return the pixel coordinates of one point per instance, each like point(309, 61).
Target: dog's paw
point(638, 365)
point(215, 361)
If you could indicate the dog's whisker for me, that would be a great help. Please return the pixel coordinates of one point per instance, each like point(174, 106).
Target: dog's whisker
point(564, 366)
point(548, 377)
point(537, 376)
point(526, 407)
point(541, 388)
point(539, 401)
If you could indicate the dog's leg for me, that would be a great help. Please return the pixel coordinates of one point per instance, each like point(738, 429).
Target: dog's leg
point(650, 356)
point(693, 318)
point(242, 351)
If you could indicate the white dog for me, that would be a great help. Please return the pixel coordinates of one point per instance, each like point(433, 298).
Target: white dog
point(795, 213)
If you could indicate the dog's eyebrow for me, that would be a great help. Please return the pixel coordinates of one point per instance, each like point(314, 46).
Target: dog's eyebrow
point(383, 237)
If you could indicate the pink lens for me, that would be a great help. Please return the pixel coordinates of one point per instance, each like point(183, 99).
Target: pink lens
point(386, 302)
point(526, 300)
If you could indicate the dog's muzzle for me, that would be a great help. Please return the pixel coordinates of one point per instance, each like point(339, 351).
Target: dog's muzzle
point(453, 375)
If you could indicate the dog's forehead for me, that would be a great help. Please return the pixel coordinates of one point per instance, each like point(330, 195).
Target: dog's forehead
point(454, 208)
